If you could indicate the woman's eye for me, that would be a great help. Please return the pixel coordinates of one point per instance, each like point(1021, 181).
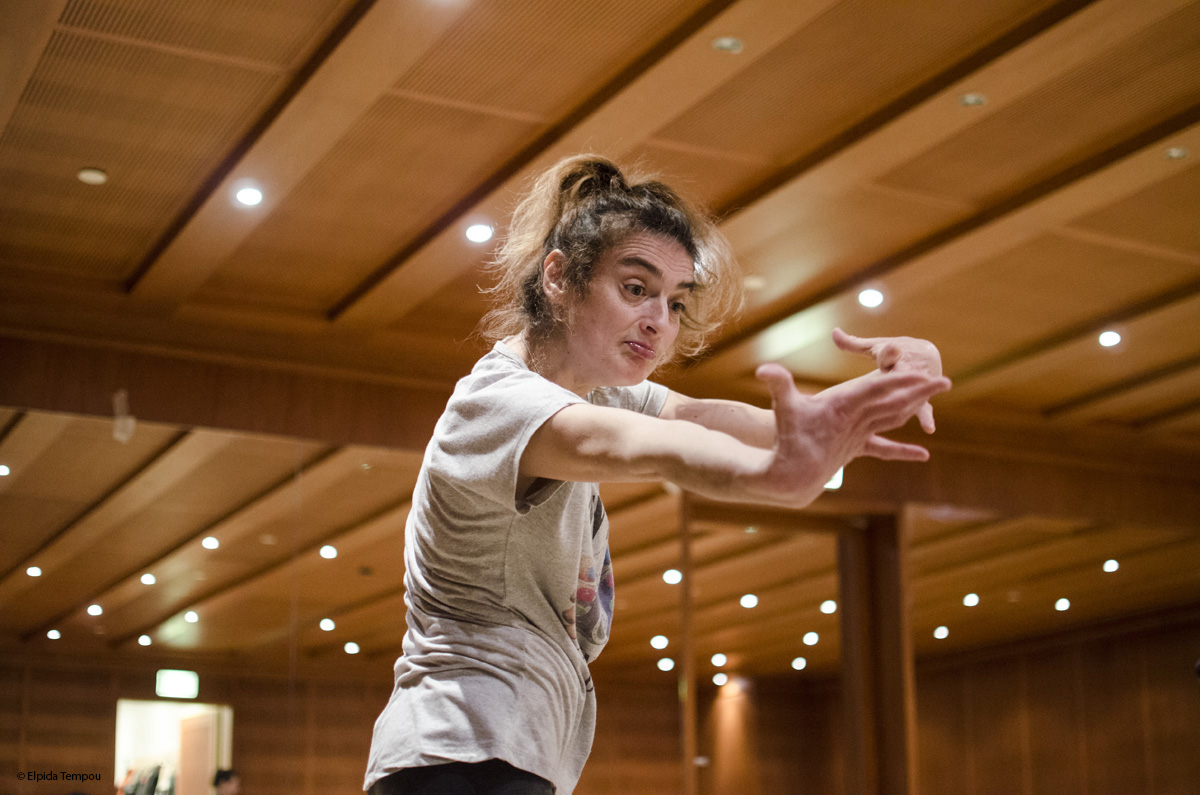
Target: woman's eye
point(678, 307)
point(636, 289)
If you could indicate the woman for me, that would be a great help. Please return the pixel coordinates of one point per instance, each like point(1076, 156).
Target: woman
point(509, 586)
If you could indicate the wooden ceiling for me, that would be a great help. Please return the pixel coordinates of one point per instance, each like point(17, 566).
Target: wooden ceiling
point(1015, 177)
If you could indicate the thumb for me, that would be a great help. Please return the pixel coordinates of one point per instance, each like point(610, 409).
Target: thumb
point(778, 380)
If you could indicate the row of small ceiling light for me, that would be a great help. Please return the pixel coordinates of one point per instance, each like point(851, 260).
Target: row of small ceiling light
point(828, 607)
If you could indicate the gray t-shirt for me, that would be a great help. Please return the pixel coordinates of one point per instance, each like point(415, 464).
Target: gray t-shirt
point(509, 596)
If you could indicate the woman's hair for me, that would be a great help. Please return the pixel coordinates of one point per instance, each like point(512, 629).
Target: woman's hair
point(582, 206)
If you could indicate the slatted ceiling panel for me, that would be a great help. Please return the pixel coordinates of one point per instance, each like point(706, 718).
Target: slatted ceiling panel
point(1144, 80)
point(1163, 214)
point(832, 237)
point(1144, 402)
point(869, 54)
point(1076, 281)
point(213, 488)
point(401, 167)
point(710, 178)
point(978, 543)
point(490, 55)
point(277, 32)
point(618, 496)
point(78, 467)
point(1149, 344)
point(157, 121)
point(455, 310)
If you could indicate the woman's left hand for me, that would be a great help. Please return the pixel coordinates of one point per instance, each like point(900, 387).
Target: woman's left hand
point(897, 353)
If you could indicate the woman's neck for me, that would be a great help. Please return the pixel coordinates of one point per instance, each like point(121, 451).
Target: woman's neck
point(549, 359)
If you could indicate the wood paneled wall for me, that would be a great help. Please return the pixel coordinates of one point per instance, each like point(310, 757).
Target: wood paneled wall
point(1088, 714)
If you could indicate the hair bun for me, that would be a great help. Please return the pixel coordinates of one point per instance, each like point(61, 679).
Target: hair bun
point(591, 178)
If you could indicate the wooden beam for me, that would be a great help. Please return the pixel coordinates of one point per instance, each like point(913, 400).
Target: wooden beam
point(878, 692)
point(168, 388)
point(687, 668)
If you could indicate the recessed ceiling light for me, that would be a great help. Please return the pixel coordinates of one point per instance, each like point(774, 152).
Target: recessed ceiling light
point(1111, 566)
point(659, 641)
point(54, 634)
point(329, 552)
point(365, 467)
point(148, 579)
point(1062, 604)
point(327, 624)
point(971, 599)
point(191, 616)
point(672, 577)
point(4, 471)
point(973, 100)
point(729, 44)
point(33, 571)
point(1177, 153)
point(799, 663)
point(144, 640)
point(92, 176)
point(666, 664)
point(754, 282)
point(351, 648)
point(479, 233)
point(720, 679)
point(941, 633)
point(1110, 338)
point(811, 638)
point(870, 298)
point(749, 600)
point(719, 659)
point(210, 543)
point(249, 196)
point(828, 606)
point(95, 610)
point(751, 531)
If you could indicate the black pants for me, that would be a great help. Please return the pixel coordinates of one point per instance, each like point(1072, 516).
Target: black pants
point(493, 777)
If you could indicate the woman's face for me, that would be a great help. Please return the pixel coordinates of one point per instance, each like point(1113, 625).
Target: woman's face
point(627, 322)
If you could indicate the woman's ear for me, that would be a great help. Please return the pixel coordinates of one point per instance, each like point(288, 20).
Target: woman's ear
point(554, 282)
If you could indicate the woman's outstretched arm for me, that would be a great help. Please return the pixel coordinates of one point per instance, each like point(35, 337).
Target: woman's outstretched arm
point(814, 435)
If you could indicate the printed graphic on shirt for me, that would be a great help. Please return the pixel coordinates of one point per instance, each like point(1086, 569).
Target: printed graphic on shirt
point(589, 616)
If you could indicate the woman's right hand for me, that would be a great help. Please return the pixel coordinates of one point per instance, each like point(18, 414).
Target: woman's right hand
point(818, 434)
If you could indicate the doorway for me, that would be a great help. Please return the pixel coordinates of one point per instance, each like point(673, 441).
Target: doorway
point(168, 746)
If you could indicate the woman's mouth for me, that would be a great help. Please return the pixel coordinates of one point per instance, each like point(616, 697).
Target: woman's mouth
point(641, 349)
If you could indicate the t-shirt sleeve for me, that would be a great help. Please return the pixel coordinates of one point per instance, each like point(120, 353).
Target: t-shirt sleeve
point(480, 438)
point(644, 398)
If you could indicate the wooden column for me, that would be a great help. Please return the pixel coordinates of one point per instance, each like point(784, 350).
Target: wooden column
point(687, 657)
point(878, 693)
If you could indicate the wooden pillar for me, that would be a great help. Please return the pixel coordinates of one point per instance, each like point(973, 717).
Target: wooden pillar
point(878, 694)
point(687, 661)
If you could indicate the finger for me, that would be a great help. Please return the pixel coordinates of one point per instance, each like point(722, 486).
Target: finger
point(889, 450)
point(851, 343)
point(888, 356)
point(925, 415)
point(783, 391)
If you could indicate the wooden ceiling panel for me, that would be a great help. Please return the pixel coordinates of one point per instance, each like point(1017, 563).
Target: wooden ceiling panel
point(711, 178)
point(73, 466)
point(850, 61)
point(454, 311)
point(276, 31)
point(833, 237)
point(403, 165)
point(1145, 403)
point(1162, 215)
point(157, 121)
point(1142, 81)
point(1075, 280)
point(488, 57)
point(190, 486)
point(1067, 374)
